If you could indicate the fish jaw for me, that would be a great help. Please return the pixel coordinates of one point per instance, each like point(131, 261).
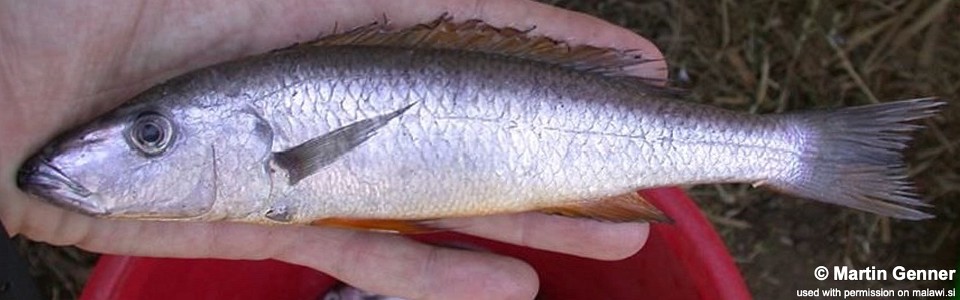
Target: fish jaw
point(40, 178)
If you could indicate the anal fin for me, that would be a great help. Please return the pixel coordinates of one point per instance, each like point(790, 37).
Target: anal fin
point(630, 207)
point(383, 225)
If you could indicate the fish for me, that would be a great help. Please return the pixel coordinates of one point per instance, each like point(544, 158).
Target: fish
point(394, 129)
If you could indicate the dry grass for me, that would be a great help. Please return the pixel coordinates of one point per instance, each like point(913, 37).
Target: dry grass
point(774, 56)
point(60, 272)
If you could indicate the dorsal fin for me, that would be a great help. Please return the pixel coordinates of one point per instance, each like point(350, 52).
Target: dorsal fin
point(475, 35)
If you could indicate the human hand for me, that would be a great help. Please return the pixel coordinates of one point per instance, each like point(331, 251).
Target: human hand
point(63, 63)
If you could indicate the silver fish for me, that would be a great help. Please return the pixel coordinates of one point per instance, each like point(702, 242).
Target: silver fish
point(391, 127)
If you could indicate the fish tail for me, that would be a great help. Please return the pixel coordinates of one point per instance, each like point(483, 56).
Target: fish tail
point(853, 157)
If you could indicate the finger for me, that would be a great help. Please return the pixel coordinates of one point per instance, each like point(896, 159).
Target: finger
point(580, 237)
point(429, 272)
point(370, 261)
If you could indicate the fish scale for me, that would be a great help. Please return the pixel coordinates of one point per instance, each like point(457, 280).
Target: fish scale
point(539, 118)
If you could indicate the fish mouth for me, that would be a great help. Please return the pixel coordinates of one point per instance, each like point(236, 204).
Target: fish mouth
point(39, 177)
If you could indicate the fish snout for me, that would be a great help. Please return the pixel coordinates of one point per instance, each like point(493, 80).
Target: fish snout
point(41, 178)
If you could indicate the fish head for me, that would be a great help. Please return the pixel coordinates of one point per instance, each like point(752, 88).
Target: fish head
point(154, 158)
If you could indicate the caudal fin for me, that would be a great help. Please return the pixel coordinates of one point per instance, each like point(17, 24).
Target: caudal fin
point(853, 157)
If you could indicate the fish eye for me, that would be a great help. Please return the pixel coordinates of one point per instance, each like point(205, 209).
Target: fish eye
point(151, 133)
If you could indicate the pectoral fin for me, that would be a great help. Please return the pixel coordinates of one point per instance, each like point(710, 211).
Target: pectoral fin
point(629, 207)
point(305, 159)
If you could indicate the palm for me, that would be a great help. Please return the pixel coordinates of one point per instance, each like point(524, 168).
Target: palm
point(62, 63)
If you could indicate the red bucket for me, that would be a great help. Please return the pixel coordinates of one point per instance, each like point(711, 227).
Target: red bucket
point(684, 260)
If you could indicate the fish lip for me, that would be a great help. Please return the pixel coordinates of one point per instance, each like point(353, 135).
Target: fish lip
point(39, 177)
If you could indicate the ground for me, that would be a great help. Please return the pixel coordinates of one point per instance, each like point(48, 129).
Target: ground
point(774, 56)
